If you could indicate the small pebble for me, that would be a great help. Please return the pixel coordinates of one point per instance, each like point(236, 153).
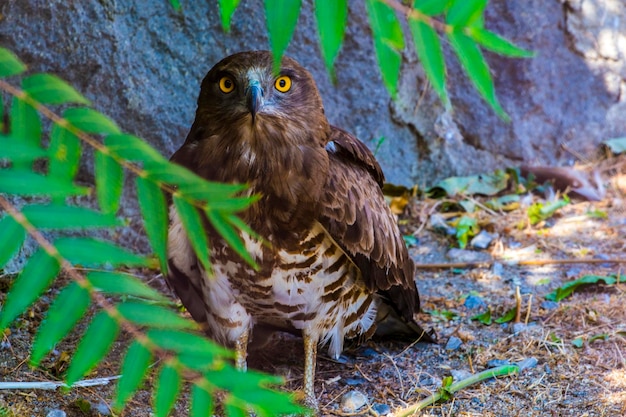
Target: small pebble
point(474, 301)
point(438, 223)
point(56, 413)
point(102, 408)
point(547, 369)
point(426, 380)
point(353, 401)
point(368, 353)
point(381, 409)
point(453, 343)
point(549, 305)
point(497, 362)
point(497, 269)
point(527, 363)
point(460, 374)
point(483, 239)
point(517, 328)
point(354, 381)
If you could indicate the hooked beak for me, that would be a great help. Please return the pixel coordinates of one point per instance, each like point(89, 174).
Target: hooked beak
point(254, 98)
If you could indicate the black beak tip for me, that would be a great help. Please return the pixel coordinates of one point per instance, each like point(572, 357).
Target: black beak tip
point(255, 99)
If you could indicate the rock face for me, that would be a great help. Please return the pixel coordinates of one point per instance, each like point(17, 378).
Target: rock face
point(142, 63)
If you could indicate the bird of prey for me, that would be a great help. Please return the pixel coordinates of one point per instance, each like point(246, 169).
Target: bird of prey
point(336, 265)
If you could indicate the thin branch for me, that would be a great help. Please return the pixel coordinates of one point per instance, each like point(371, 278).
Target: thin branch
point(53, 385)
point(528, 262)
point(415, 14)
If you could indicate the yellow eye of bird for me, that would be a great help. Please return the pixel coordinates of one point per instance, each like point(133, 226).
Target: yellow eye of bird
point(227, 84)
point(283, 84)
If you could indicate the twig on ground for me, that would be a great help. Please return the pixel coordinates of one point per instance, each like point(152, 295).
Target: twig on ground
point(518, 305)
point(53, 385)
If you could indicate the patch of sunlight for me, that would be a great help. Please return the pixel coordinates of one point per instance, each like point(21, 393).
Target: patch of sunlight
point(617, 379)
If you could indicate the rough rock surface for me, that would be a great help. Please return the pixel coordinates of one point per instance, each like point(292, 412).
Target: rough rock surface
point(141, 63)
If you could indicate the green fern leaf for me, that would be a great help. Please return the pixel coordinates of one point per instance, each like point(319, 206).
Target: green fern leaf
point(201, 402)
point(12, 236)
point(497, 43)
point(65, 151)
point(134, 369)
point(132, 148)
point(281, 17)
point(332, 17)
point(154, 316)
point(194, 227)
point(182, 342)
point(154, 213)
point(88, 251)
point(10, 64)
point(166, 391)
point(34, 279)
point(464, 13)
point(25, 126)
point(109, 182)
point(119, 283)
point(19, 182)
point(230, 235)
point(234, 408)
point(476, 68)
point(50, 89)
point(65, 311)
point(93, 346)
point(91, 121)
point(20, 152)
point(432, 7)
point(430, 54)
point(388, 42)
point(51, 216)
point(227, 8)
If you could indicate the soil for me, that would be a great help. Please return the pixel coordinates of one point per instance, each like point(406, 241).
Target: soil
point(579, 343)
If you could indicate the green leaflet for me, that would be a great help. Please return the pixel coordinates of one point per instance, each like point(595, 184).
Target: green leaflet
point(93, 346)
point(465, 12)
point(134, 369)
point(166, 391)
point(476, 68)
point(65, 151)
point(25, 126)
point(154, 213)
point(388, 42)
point(152, 315)
point(194, 227)
point(430, 54)
point(123, 284)
point(87, 251)
point(432, 7)
point(221, 223)
point(52, 216)
point(182, 342)
point(10, 64)
point(12, 236)
point(132, 148)
point(281, 16)
point(109, 182)
point(497, 43)
point(201, 402)
point(90, 121)
point(175, 5)
point(20, 182)
point(332, 17)
point(50, 89)
point(65, 311)
point(227, 8)
point(234, 408)
point(19, 151)
point(34, 279)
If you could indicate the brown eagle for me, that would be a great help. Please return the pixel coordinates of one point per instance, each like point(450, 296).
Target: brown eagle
point(336, 266)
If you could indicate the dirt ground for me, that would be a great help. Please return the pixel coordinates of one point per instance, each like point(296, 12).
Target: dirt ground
point(566, 380)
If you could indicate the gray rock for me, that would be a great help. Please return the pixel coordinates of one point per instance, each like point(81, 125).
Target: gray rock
point(353, 401)
point(549, 305)
point(474, 301)
point(56, 413)
point(102, 408)
point(381, 409)
point(527, 363)
point(460, 374)
point(142, 63)
point(483, 239)
point(518, 328)
point(453, 343)
point(497, 362)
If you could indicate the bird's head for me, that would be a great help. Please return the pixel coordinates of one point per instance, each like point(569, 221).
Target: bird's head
point(243, 92)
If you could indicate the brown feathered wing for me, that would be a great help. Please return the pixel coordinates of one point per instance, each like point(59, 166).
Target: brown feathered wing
point(356, 215)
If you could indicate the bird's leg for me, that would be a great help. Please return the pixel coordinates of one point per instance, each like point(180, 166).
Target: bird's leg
point(241, 351)
point(310, 355)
